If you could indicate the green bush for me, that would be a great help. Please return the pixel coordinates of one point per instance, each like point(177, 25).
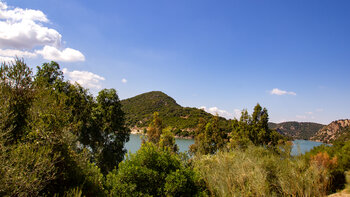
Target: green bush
point(26, 169)
point(152, 171)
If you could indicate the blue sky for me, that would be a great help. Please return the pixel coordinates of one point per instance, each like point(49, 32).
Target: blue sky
point(293, 57)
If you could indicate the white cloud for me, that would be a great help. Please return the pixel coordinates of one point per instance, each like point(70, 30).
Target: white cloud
point(23, 29)
point(18, 53)
point(84, 78)
point(124, 80)
point(18, 14)
point(3, 6)
point(309, 112)
point(66, 55)
point(279, 92)
point(6, 59)
point(222, 113)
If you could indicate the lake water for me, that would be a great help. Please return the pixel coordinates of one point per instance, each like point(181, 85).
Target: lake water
point(301, 146)
point(134, 143)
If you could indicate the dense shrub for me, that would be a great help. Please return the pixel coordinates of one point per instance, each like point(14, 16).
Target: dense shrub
point(152, 171)
point(341, 151)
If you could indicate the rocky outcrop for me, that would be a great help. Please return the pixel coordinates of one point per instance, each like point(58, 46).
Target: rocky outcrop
point(332, 131)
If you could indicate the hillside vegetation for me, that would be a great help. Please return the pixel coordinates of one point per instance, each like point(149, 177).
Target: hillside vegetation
point(297, 130)
point(139, 112)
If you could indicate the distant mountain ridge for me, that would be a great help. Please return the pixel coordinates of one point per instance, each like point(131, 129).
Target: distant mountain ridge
point(332, 131)
point(297, 130)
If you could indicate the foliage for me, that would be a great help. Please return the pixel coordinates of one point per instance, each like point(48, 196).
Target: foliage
point(209, 137)
point(16, 88)
point(250, 129)
point(152, 171)
point(139, 112)
point(27, 169)
point(51, 130)
point(254, 129)
point(341, 151)
point(257, 171)
point(111, 132)
point(167, 140)
point(154, 129)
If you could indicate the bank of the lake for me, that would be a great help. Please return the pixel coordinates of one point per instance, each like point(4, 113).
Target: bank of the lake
point(299, 146)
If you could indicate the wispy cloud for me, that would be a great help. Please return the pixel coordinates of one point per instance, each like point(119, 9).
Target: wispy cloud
point(23, 30)
point(124, 80)
point(6, 59)
point(309, 115)
point(84, 78)
point(221, 112)
point(279, 92)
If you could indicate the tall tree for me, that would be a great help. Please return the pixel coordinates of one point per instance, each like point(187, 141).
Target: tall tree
point(253, 129)
point(209, 137)
point(111, 133)
point(167, 140)
point(260, 132)
point(49, 73)
point(155, 128)
point(16, 87)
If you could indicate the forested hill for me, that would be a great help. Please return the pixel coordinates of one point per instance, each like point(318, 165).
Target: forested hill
point(297, 130)
point(139, 110)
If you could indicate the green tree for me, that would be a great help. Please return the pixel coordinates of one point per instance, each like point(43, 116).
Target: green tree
point(260, 132)
point(99, 125)
point(111, 133)
point(167, 140)
point(17, 89)
point(209, 137)
point(253, 129)
point(41, 124)
point(49, 73)
point(155, 129)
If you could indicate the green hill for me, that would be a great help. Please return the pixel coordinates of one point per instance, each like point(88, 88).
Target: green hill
point(297, 130)
point(139, 111)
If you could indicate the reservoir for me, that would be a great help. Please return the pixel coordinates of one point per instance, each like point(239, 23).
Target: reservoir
point(299, 146)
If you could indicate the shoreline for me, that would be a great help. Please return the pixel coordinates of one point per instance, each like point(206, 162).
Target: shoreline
point(135, 132)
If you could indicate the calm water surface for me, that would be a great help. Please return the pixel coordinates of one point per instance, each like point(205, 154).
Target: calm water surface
point(302, 146)
point(135, 143)
point(299, 146)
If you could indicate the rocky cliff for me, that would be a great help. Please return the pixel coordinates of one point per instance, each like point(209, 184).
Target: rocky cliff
point(332, 131)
